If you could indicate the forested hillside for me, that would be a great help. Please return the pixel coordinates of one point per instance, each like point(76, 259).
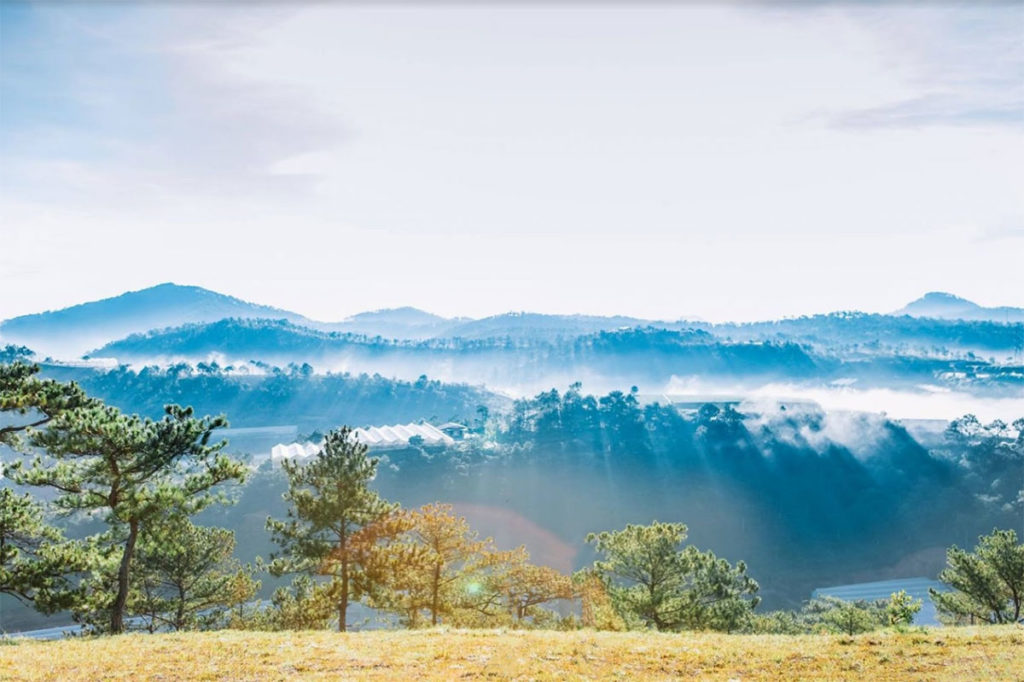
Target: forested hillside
point(272, 396)
point(871, 350)
point(805, 498)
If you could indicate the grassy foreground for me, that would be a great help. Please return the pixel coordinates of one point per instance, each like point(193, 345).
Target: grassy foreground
point(995, 653)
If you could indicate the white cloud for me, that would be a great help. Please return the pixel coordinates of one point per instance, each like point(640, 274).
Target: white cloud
point(473, 160)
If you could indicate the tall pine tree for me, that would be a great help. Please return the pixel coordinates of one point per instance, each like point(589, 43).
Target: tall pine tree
point(35, 561)
point(132, 470)
point(330, 503)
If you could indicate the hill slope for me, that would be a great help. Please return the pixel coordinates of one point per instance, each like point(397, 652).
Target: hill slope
point(941, 305)
point(643, 355)
point(935, 321)
point(993, 653)
point(396, 323)
point(74, 330)
point(875, 350)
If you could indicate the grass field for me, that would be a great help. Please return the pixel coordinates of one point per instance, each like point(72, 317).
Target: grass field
point(965, 655)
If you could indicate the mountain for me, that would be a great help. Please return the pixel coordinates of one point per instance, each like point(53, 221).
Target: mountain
point(648, 356)
point(875, 350)
point(540, 326)
point(937, 322)
point(396, 323)
point(941, 305)
point(72, 331)
point(871, 333)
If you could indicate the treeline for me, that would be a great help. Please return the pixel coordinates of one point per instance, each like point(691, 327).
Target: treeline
point(824, 473)
point(685, 350)
point(810, 499)
point(261, 394)
point(874, 333)
point(866, 333)
point(148, 566)
point(649, 355)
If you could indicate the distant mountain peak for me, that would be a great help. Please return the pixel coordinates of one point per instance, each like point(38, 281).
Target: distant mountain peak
point(406, 314)
point(78, 328)
point(947, 306)
point(942, 297)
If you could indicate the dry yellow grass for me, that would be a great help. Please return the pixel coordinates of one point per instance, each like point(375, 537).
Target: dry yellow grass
point(955, 654)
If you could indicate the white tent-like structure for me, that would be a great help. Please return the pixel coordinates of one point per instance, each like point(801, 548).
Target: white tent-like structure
point(377, 437)
point(916, 588)
point(399, 435)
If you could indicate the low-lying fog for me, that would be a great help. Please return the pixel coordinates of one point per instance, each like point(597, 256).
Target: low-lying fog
point(929, 402)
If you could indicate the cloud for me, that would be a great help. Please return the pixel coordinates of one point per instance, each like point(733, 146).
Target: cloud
point(1009, 229)
point(961, 65)
point(136, 107)
point(935, 110)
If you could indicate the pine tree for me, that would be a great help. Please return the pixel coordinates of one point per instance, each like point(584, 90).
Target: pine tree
point(133, 471)
point(330, 502)
point(522, 587)
point(186, 576)
point(35, 561)
point(988, 584)
point(901, 609)
point(37, 401)
point(852, 617)
point(652, 581)
point(452, 551)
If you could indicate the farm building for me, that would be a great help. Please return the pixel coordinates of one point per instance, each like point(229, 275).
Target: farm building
point(883, 589)
point(454, 429)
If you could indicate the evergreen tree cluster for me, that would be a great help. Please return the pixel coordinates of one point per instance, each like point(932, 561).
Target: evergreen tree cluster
point(149, 567)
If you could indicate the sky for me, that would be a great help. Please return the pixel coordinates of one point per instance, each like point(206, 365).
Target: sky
point(715, 161)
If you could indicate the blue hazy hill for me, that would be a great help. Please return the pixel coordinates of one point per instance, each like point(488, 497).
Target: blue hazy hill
point(646, 356)
point(166, 316)
point(73, 330)
point(939, 304)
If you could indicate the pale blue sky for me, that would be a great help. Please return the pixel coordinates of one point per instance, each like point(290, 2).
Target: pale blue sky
point(726, 162)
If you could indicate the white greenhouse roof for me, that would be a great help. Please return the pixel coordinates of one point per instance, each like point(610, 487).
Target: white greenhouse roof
point(914, 587)
point(396, 435)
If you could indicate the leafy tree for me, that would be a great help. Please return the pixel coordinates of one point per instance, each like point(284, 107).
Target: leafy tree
point(305, 605)
point(902, 608)
point(450, 555)
point(35, 561)
point(11, 353)
point(522, 587)
point(655, 583)
point(851, 617)
point(23, 393)
point(598, 610)
point(646, 571)
point(829, 614)
point(330, 502)
point(430, 561)
point(483, 416)
point(988, 584)
point(776, 623)
point(719, 596)
point(132, 471)
point(991, 460)
point(186, 576)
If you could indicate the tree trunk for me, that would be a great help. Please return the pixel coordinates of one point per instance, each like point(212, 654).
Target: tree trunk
point(179, 620)
point(343, 604)
point(434, 597)
point(123, 575)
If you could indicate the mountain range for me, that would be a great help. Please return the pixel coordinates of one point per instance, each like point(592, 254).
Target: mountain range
point(74, 331)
